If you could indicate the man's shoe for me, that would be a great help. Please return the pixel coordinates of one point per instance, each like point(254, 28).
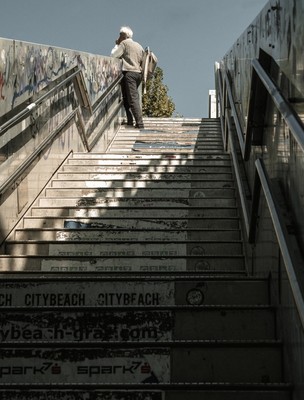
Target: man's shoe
point(139, 126)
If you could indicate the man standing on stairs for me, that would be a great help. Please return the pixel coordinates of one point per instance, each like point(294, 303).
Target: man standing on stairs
point(131, 54)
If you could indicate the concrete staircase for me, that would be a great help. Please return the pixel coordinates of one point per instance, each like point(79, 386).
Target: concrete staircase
point(127, 279)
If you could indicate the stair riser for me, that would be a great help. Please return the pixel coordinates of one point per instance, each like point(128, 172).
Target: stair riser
point(138, 326)
point(82, 212)
point(187, 144)
point(202, 167)
point(132, 176)
point(177, 162)
point(234, 363)
point(114, 236)
point(166, 137)
point(215, 187)
point(132, 293)
point(130, 192)
point(199, 173)
point(132, 223)
point(181, 394)
point(202, 265)
point(120, 249)
point(101, 201)
point(91, 158)
point(124, 148)
point(127, 144)
point(226, 395)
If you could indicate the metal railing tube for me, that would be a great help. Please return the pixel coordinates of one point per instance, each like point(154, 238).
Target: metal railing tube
point(281, 103)
point(29, 160)
point(239, 179)
point(281, 236)
point(239, 130)
point(29, 109)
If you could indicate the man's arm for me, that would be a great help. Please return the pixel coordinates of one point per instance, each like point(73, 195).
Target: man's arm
point(117, 51)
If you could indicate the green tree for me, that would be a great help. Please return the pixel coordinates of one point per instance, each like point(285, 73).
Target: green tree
point(156, 102)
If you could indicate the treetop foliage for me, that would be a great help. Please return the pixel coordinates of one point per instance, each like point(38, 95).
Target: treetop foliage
point(156, 102)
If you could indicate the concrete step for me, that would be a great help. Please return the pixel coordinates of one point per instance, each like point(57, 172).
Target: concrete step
point(144, 235)
point(148, 156)
point(176, 362)
point(137, 325)
point(98, 290)
point(129, 144)
point(192, 188)
point(207, 173)
point(134, 212)
point(172, 161)
point(220, 391)
point(197, 178)
point(154, 137)
point(142, 222)
point(137, 192)
point(110, 190)
point(120, 200)
point(179, 160)
point(156, 140)
point(160, 263)
point(129, 147)
point(127, 248)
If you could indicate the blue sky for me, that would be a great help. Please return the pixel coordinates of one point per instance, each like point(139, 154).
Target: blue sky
point(188, 36)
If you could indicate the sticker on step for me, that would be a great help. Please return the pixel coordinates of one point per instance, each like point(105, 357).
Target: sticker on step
point(86, 293)
point(77, 327)
point(137, 365)
point(105, 249)
point(116, 265)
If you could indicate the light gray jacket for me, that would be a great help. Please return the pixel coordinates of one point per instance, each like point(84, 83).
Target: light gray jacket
point(131, 54)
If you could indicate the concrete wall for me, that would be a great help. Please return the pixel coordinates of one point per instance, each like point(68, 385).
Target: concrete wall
point(279, 32)
point(276, 36)
point(28, 71)
point(27, 68)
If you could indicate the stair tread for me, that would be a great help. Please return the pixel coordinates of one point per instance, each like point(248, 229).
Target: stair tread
point(179, 385)
point(124, 241)
point(151, 308)
point(144, 276)
point(163, 343)
point(118, 229)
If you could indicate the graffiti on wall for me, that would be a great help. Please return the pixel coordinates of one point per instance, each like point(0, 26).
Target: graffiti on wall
point(26, 68)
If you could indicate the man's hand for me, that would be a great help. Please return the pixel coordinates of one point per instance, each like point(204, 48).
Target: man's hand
point(121, 38)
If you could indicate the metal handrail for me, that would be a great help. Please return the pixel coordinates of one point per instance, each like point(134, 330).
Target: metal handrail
point(239, 180)
point(281, 237)
point(294, 124)
point(29, 160)
point(234, 157)
point(107, 92)
point(262, 180)
point(219, 83)
point(30, 108)
point(239, 130)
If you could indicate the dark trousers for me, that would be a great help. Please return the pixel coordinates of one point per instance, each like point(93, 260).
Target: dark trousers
point(129, 86)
